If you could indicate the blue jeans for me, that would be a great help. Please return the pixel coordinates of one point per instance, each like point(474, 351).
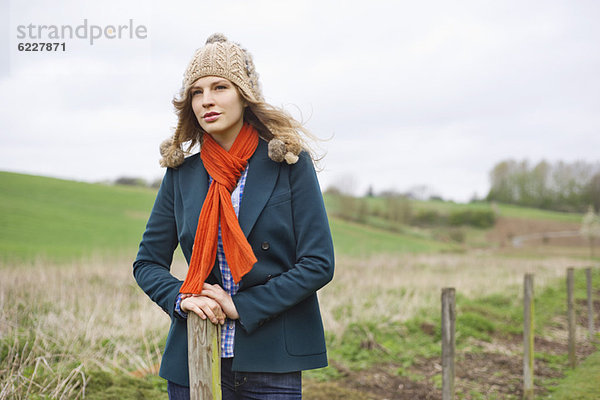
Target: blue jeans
point(249, 385)
point(178, 392)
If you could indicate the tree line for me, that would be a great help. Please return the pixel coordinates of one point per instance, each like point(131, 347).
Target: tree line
point(394, 212)
point(559, 186)
point(137, 181)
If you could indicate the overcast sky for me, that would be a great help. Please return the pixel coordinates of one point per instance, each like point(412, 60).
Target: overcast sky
point(409, 92)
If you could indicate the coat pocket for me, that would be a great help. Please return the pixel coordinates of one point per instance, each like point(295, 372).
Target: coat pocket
point(303, 329)
point(279, 198)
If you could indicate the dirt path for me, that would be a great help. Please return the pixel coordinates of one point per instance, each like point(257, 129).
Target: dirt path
point(515, 232)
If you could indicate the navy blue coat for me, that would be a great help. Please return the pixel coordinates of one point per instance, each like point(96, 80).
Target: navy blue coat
point(283, 217)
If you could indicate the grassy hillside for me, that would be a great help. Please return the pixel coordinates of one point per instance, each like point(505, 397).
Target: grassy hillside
point(503, 210)
point(59, 220)
point(358, 240)
point(446, 207)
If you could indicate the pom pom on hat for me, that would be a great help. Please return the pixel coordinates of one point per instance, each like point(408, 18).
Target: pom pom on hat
point(164, 146)
point(291, 158)
point(277, 150)
point(294, 148)
point(172, 155)
point(216, 38)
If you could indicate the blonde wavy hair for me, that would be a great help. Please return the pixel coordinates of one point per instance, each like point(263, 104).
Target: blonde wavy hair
point(286, 136)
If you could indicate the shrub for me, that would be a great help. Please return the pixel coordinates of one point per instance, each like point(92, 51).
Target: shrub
point(457, 235)
point(476, 218)
point(130, 181)
point(398, 209)
point(351, 208)
point(427, 217)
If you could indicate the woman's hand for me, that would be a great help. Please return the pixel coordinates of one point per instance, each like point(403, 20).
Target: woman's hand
point(204, 306)
point(216, 293)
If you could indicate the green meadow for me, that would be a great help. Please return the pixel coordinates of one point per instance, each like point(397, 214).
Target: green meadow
point(505, 210)
point(59, 220)
point(354, 239)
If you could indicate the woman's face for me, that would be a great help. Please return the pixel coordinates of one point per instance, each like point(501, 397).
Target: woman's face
point(219, 108)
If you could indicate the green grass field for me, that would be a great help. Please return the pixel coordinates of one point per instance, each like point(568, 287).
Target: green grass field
point(359, 240)
point(59, 220)
point(446, 207)
point(504, 210)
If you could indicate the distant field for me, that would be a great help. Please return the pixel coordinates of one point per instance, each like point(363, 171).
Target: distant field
point(504, 210)
point(359, 240)
point(60, 220)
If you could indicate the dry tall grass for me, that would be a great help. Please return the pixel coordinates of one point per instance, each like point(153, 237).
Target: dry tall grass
point(56, 321)
point(59, 321)
point(385, 288)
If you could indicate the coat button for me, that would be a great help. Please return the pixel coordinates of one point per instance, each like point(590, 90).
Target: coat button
point(265, 246)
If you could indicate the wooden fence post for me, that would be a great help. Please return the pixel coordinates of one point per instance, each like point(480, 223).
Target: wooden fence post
point(448, 342)
point(571, 317)
point(204, 358)
point(528, 336)
point(590, 302)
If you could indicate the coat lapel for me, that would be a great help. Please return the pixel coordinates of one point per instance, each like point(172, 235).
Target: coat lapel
point(260, 182)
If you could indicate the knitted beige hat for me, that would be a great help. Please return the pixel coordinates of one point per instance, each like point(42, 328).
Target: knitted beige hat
point(229, 60)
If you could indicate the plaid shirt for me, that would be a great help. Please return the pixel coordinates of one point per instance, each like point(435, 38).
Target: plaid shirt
point(228, 329)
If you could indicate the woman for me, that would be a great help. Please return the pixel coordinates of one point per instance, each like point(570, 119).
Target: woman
point(249, 217)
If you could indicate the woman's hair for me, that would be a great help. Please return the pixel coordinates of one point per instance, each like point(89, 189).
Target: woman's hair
point(275, 125)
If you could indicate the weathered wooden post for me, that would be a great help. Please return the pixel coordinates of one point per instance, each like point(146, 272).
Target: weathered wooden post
point(528, 336)
point(571, 317)
point(448, 342)
point(204, 358)
point(590, 302)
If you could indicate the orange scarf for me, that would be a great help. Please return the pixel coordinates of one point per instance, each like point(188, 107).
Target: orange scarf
point(225, 168)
